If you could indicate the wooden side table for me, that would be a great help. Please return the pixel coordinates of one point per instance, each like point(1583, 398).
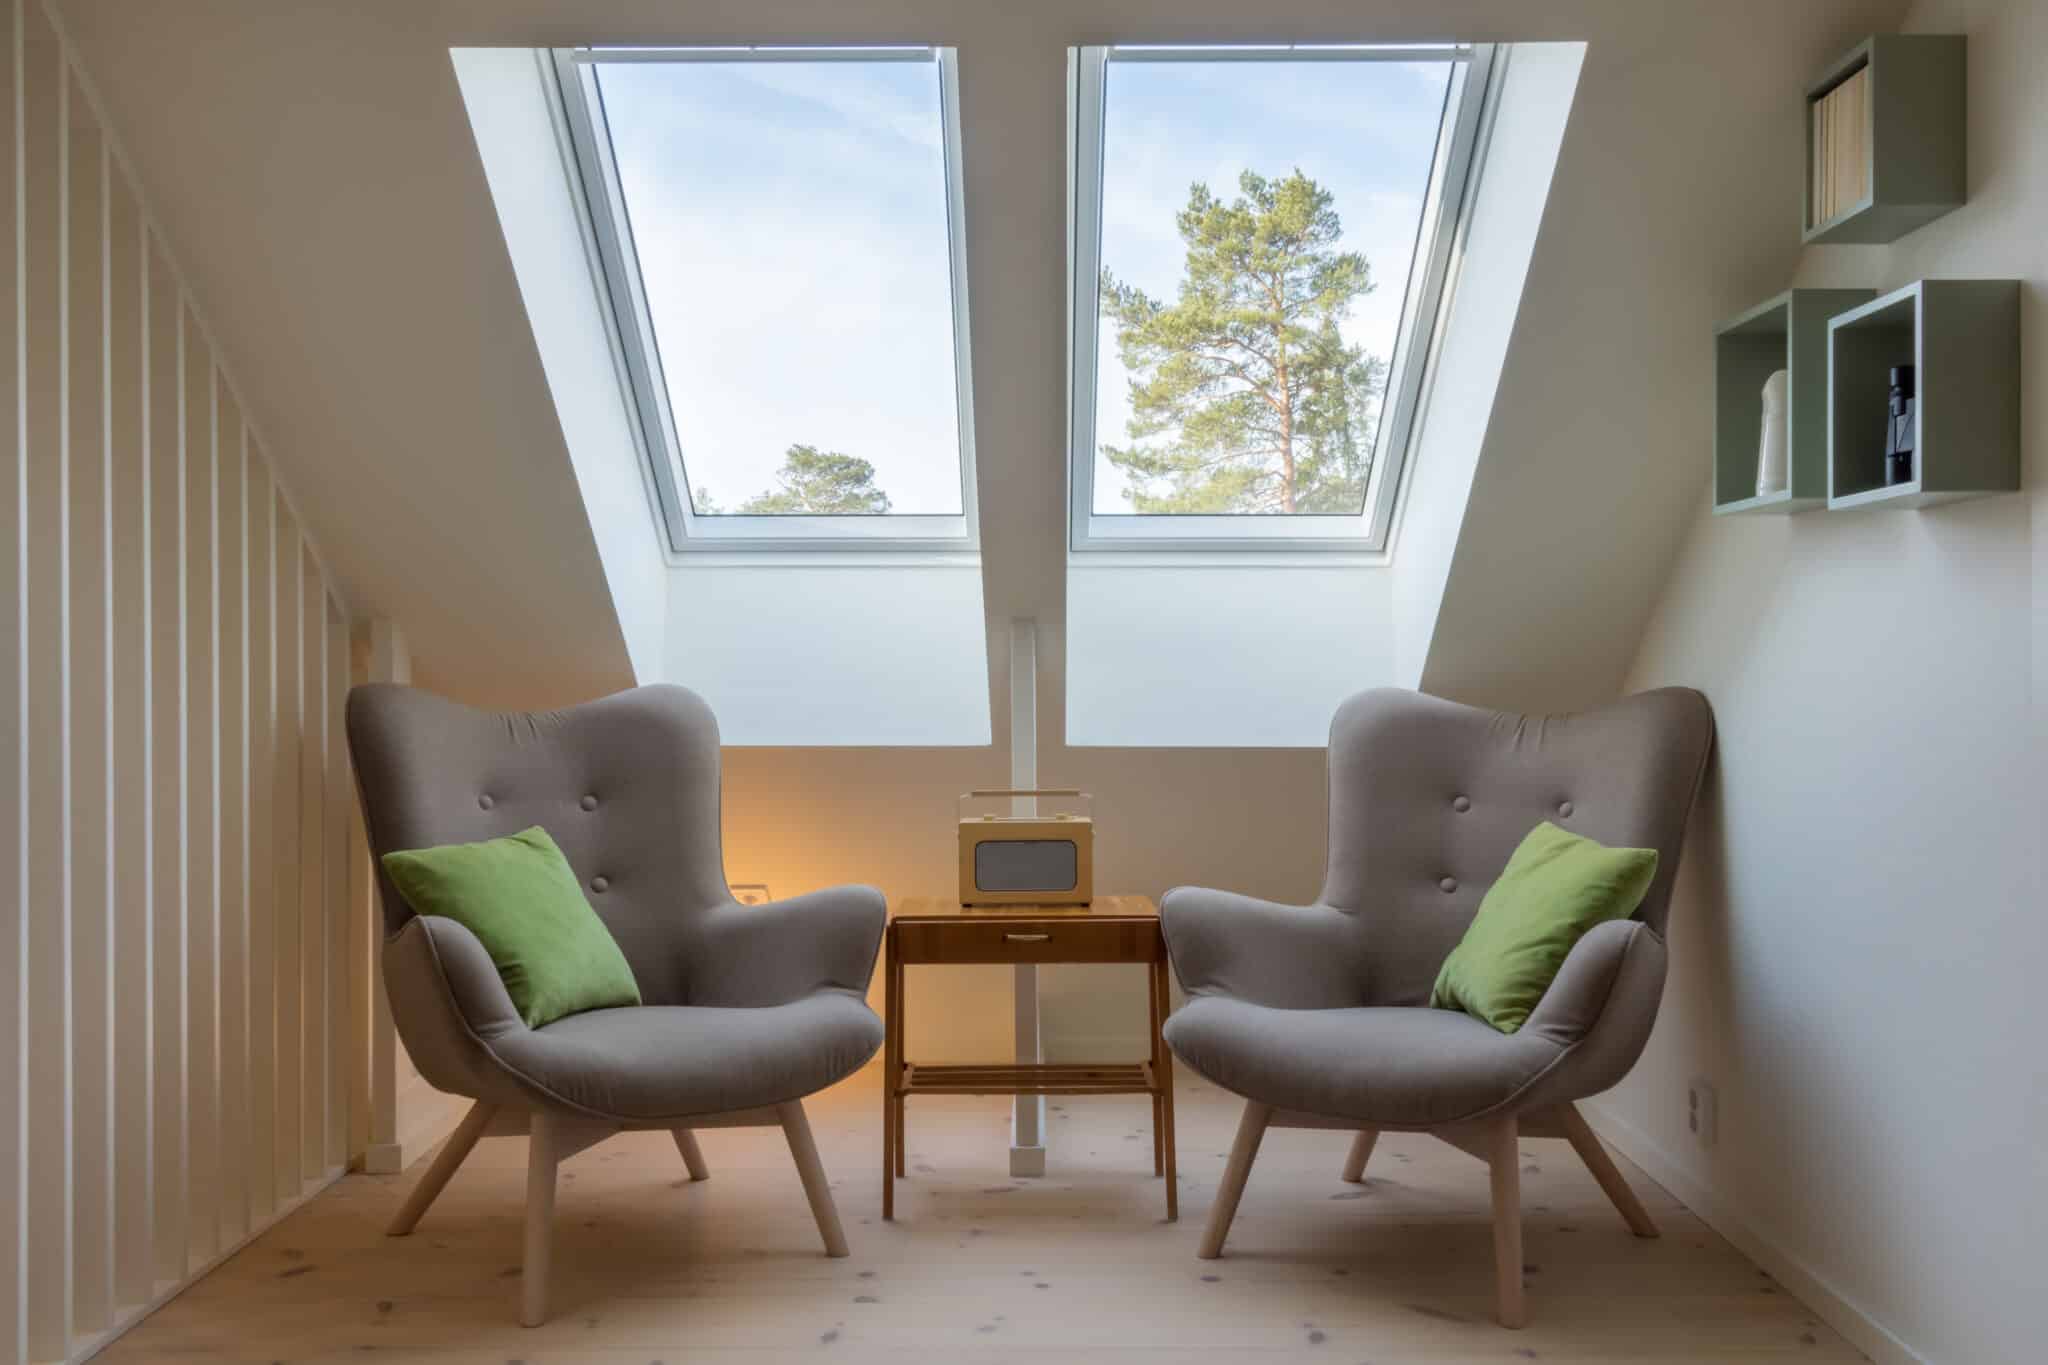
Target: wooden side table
point(928, 932)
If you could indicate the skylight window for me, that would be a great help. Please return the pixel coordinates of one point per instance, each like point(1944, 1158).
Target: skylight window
point(1260, 243)
point(780, 231)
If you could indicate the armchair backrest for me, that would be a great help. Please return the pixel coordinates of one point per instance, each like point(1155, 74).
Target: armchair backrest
point(627, 786)
point(1428, 799)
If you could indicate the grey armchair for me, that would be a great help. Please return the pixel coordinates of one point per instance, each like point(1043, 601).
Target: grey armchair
point(746, 1009)
point(1316, 1014)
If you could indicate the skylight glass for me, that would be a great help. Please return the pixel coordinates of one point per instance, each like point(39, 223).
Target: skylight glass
point(1260, 245)
point(786, 223)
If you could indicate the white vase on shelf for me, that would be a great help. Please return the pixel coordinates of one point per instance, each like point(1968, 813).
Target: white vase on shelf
point(1771, 474)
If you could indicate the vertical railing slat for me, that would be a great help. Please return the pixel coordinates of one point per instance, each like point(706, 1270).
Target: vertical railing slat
point(92, 771)
point(233, 785)
point(263, 1029)
point(14, 728)
point(344, 1037)
point(312, 901)
point(134, 1030)
point(49, 809)
point(202, 795)
point(164, 606)
point(284, 811)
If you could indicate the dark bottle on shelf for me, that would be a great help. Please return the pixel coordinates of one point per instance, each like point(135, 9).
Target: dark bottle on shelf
point(1898, 431)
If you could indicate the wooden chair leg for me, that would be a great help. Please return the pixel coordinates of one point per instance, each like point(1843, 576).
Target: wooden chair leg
point(1587, 1144)
point(693, 1155)
point(541, 1159)
point(1504, 1160)
point(1250, 1130)
point(797, 1129)
point(451, 1156)
point(1361, 1152)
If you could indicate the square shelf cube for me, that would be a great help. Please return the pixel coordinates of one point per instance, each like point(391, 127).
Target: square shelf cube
point(1962, 338)
point(1788, 332)
point(1911, 136)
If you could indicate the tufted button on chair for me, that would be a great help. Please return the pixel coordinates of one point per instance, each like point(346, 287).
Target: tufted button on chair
point(1316, 1014)
point(745, 1010)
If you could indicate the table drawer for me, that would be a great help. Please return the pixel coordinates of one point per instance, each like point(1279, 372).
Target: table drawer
point(994, 940)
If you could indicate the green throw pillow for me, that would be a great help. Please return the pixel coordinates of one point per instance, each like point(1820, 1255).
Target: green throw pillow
point(1555, 887)
point(520, 898)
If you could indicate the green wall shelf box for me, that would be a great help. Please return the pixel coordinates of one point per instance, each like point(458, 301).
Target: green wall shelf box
point(1913, 135)
point(1962, 338)
point(1788, 332)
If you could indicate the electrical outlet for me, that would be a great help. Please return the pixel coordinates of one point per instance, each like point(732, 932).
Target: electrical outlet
point(1702, 1111)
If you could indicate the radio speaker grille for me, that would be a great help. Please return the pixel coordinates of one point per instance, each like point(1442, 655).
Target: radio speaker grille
point(1026, 865)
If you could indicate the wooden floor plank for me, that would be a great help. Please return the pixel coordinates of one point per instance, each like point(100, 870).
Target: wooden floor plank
point(982, 1268)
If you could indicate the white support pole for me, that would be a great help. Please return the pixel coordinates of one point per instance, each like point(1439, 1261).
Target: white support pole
point(1027, 1124)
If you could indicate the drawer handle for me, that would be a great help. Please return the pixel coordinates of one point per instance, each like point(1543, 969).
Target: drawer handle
point(1026, 938)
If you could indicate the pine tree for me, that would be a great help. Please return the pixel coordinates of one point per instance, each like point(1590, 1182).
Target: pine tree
point(1245, 396)
point(812, 482)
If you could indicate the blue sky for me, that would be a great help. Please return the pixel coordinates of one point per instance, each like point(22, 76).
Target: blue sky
point(790, 221)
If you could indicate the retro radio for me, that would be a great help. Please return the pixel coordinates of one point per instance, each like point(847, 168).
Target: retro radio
point(1026, 854)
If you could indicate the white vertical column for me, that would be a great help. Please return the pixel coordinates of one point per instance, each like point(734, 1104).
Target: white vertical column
point(1027, 1121)
point(92, 754)
point(13, 726)
point(134, 926)
point(48, 910)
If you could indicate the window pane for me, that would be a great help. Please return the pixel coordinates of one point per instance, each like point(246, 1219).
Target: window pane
point(1259, 221)
point(790, 219)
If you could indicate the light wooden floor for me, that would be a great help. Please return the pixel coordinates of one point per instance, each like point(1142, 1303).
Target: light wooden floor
point(980, 1268)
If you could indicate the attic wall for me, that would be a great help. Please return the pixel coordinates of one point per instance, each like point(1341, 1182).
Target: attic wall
point(177, 1063)
point(1857, 939)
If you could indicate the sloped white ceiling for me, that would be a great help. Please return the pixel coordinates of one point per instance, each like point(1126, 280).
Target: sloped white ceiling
point(314, 167)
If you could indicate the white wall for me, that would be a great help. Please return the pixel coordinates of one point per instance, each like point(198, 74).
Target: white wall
point(1459, 405)
point(509, 103)
point(1221, 654)
point(809, 650)
point(175, 1070)
point(1859, 942)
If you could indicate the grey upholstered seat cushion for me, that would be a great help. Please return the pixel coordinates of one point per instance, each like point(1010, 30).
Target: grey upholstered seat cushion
point(1391, 1066)
point(659, 1062)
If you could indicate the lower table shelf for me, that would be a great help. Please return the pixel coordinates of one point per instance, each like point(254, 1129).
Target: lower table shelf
point(1110, 1078)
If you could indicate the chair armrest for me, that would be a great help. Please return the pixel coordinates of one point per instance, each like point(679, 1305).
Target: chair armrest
point(1286, 956)
point(756, 955)
point(472, 978)
point(1603, 1001)
point(449, 1005)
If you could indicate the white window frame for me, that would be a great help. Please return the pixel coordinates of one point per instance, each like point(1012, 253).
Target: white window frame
point(617, 267)
point(1453, 174)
